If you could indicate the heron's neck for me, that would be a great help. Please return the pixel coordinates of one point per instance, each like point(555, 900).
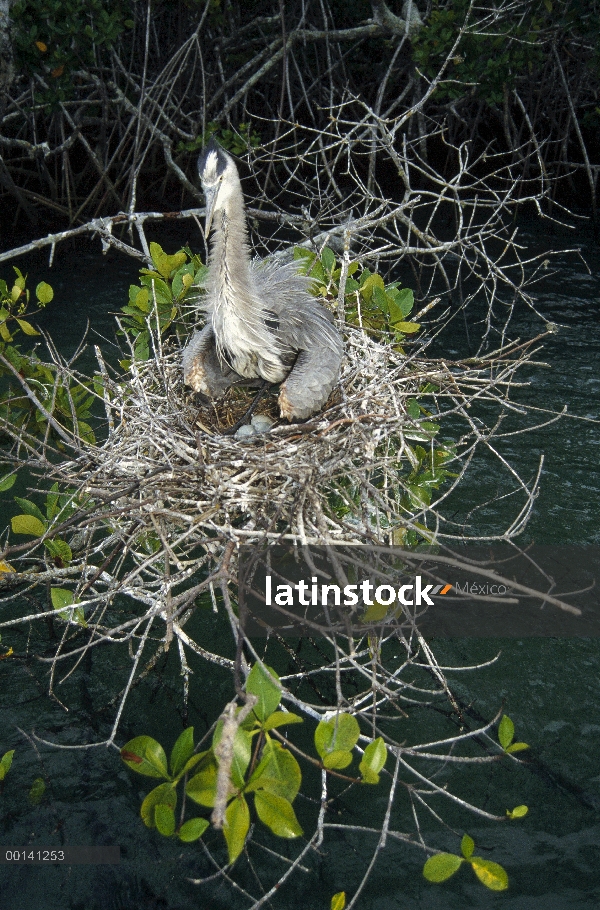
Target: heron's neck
point(230, 257)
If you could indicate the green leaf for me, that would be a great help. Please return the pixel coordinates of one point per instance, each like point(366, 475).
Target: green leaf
point(429, 427)
point(52, 506)
point(318, 273)
point(375, 612)
point(30, 508)
point(380, 299)
point(395, 312)
point(337, 760)
point(159, 288)
point(163, 795)
point(7, 482)
point(338, 734)
point(412, 408)
point(277, 814)
point(516, 747)
point(278, 772)
point(182, 751)
point(183, 279)
point(164, 266)
point(467, 845)
point(518, 812)
point(405, 300)
point(141, 350)
point(146, 756)
point(441, 866)
point(264, 683)
point(202, 787)
point(26, 327)
point(5, 763)
point(86, 432)
point(192, 830)
point(36, 794)
point(142, 299)
point(506, 731)
point(44, 293)
point(164, 819)
point(301, 252)
point(177, 259)
point(237, 824)
point(369, 777)
point(328, 259)
point(369, 283)
point(338, 901)
point(407, 328)
point(135, 313)
point(490, 874)
point(191, 763)
point(281, 719)
point(373, 760)
point(61, 598)
point(156, 252)
point(78, 615)
point(59, 549)
point(242, 752)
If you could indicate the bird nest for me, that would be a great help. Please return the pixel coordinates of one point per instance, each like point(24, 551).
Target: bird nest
point(346, 475)
point(192, 473)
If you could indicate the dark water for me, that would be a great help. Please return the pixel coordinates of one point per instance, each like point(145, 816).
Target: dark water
point(550, 688)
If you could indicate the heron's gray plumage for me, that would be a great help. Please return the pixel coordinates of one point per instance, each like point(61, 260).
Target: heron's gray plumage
point(262, 322)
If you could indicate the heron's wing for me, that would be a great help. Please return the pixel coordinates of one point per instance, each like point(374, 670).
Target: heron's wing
point(289, 311)
point(315, 372)
point(202, 369)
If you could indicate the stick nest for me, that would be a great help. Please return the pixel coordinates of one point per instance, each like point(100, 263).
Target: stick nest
point(336, 476)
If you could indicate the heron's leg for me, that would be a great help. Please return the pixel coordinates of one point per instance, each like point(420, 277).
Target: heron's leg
point(202, 369)
point(309, 383)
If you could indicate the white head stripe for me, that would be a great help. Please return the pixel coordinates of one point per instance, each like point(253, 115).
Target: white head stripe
point(211, 163)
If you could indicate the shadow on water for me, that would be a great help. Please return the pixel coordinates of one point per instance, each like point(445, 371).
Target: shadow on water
point(548, 687)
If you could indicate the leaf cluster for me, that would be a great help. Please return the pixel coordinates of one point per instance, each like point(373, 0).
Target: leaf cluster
point(55, 37)
point(237, 140)
point(506, 735)
point(69, 402)
point(33, 522)
point(441, 866)
point(487, 62)
point(379, 309)
point(261, 768)
point(155, 302)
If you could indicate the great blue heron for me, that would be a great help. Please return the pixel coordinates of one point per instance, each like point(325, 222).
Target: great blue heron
point(262, 322)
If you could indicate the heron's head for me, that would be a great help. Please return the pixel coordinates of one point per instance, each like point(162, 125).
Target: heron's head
point(219, 177)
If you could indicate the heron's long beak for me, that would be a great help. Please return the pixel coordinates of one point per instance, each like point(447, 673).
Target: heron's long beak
point(211, 199)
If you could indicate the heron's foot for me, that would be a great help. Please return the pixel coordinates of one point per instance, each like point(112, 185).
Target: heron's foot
point(294, 410)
